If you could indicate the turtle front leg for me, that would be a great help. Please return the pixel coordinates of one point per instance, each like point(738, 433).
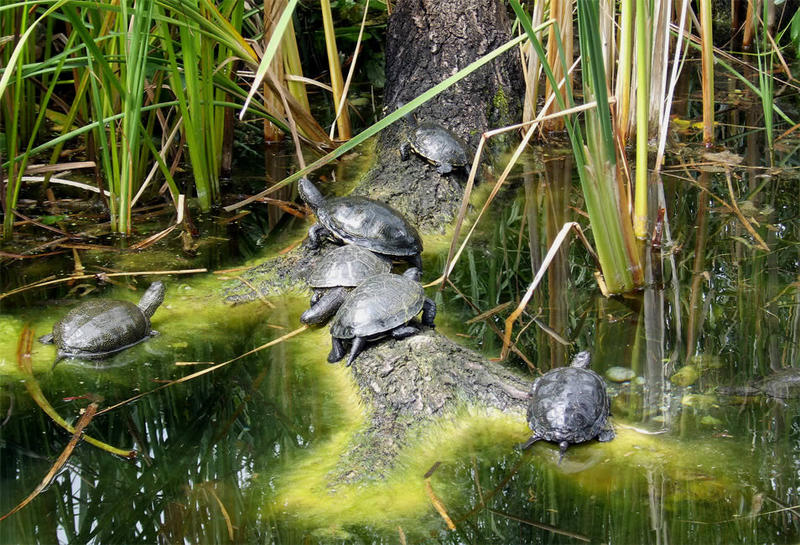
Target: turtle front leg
point(359, 344)
point(403, 331)
point(562, 448)
point(337, 350)
point(415, 261)
point(428, 312)
point(324, 307)
point(316, 234)
point(529, 443)
point(444, 168)
point(405, 148)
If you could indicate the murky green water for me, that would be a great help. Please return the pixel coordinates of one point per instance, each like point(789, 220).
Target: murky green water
point(242, 454)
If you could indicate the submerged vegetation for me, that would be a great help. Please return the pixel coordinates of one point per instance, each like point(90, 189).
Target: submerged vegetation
point(134, 134)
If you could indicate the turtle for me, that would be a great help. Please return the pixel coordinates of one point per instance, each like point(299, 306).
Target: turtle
point(569, 405)
point(781, 384)
point(332, 277)
point(438, 146)
point(382, 305)
point(99, 328)
point(361, 221)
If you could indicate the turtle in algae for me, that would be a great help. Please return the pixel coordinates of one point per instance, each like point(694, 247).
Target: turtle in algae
point(101, 327)
point(335, 274)
point(438, 146)
point(384, 304)
point(782, 384)
point(569, 405)
point(364, 222)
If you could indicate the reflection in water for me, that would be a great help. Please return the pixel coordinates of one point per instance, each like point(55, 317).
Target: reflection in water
point(244, 454)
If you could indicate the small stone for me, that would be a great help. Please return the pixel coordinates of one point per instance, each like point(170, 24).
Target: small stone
point(686, 376)
point(710, 422)
point(620, 374)
point(699, 401)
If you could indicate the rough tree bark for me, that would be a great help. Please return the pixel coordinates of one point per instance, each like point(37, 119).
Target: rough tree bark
point(427, 42)
point(406, 384)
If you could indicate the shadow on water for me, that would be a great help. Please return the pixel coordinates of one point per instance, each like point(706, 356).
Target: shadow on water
point(243, 454)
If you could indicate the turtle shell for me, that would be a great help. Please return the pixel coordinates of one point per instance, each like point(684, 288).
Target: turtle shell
point(370, 224)
point(346, 266)
point(568, 404)
point(438, 145)
point(100, 327)
point(377, 305)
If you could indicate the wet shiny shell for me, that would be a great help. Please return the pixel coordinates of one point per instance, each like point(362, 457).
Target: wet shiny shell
point(100, 326)
point(438, 145)
point(346, 266)
point(568, 404)
point(378, 305)
point(370, 224)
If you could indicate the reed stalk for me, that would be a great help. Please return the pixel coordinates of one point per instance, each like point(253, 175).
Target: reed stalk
point(642, 116)
point(559, 47)
point(595, 157)
point(766, 62)
point(337, 81)
point(625, 62)
point(707, 71)
point(293, 67)
point(14, 111)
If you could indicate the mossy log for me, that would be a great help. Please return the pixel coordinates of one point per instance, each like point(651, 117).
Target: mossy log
point(407, 384)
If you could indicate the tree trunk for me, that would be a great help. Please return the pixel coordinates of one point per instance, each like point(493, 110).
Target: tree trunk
point(427, 42)
point(408, 383)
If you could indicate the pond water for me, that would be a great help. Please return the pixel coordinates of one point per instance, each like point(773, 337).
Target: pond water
point(243, 453)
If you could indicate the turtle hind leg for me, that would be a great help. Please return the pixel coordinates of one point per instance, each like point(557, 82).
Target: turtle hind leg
point(606, 435)
point(529, 443)
point(359, 343)
point(337, 350)
point(562, 448)
point(428, 312)
point(60, 356)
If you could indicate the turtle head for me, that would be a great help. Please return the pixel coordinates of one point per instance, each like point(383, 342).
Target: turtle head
point(309, 193)
point(409, 118)
point(152, 298)
point(413, 273)
point(582, 360)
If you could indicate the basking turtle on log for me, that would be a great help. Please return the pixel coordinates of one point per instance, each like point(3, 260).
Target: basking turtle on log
point(335, 274)
point(363, 222)
point(382, 305)
point(437, 145)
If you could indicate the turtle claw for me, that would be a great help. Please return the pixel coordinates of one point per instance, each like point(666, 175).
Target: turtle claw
point(529, 443)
